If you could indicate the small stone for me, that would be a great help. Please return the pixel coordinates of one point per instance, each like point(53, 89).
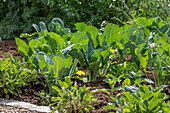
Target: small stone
point(26, 106)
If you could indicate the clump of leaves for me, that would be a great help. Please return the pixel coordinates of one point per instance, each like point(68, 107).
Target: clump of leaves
point(142, 99)
point(13, 76)
point(72, 99)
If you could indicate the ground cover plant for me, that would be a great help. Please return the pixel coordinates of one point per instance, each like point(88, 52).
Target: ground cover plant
point(131, 61)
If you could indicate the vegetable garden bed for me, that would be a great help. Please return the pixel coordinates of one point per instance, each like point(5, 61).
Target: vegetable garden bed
point(123, 69)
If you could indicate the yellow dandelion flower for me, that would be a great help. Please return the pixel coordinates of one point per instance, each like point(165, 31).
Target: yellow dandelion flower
point(80, 73)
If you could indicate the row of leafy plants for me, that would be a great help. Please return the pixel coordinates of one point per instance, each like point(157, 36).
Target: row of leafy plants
point(17, 16)
point(56, 53)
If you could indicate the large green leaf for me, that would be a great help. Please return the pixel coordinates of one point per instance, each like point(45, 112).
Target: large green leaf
point(119, 45)
point(129, 30)
point(35, 43)
point(22, 47)
point(93, 31)
point(43, 26)
point(143, 21)
point(68, 62)
point(81, 27)
point(111, 33)
point(58, 64)
point(52, 27)
point(43, 41)
point(73, 67)
point(52, 43)
point(80, 37)
point(105, 54)
point(101, 39)
point(164, 44)
point(90, 47)
point(143, 60)
point(42, 65)
point(89, 51)
point(55, 41)
point(94, 66)
point(77, 54)
point(96, 55)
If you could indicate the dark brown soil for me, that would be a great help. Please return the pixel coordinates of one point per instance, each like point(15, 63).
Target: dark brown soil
point(9, 48)
point(32, 91)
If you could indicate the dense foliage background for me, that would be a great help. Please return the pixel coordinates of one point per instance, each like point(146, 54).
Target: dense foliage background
point(17, 16)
